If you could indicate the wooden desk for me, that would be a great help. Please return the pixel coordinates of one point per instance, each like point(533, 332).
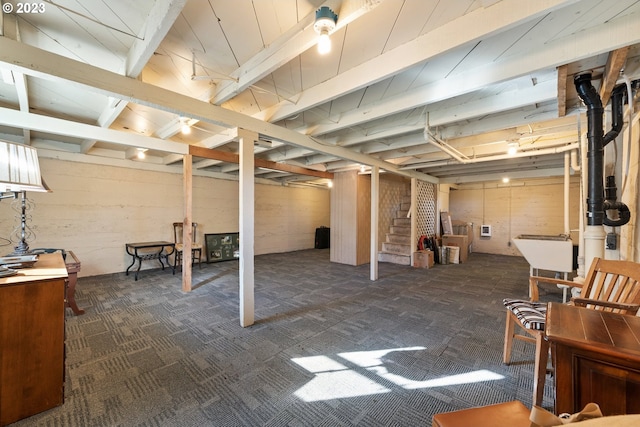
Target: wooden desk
point(149, 250)
point(596, 356)
point(32, 339)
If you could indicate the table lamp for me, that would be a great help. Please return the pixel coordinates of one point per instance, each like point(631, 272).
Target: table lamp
point(19, 173)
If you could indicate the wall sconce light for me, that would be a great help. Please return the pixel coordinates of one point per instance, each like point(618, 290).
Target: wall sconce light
point(512, 148)
point(19, 173)
point(505, 180)
point(330, 184)
point(325, 23)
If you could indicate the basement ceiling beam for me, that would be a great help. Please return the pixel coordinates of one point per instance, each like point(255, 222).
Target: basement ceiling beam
point(562, 90)
point(475, 26)
point(288, 46)
point(552, 54)
point(36, 122)
point(49, 66)
point(615, 62)
point(225, 156)
point(157, 25)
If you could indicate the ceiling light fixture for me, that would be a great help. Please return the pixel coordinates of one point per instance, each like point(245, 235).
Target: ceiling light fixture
point(325, 23)
point(185, 128)
point(141, 153)
point(513, 148)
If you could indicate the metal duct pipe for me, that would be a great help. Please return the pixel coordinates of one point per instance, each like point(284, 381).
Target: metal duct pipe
point(595, 148)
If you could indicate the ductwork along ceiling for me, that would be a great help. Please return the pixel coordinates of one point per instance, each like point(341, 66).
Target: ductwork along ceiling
point(426, 88)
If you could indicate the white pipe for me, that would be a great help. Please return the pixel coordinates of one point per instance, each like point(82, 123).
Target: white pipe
point(466, 160)
point(574, 161)
point(583, 182)
point(567, 229)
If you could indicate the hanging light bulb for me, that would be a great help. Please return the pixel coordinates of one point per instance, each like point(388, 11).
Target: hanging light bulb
point(324, 42)
point(326, 21)
point(185, 129)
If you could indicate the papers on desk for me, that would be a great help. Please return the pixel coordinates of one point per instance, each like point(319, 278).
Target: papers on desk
point(6, 272)
point(18, 261)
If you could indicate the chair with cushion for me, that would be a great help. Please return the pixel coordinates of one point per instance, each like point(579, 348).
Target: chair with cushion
point(196, 248)
point(609, 285)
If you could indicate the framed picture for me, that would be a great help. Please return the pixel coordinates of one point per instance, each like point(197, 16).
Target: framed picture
point(222, 246)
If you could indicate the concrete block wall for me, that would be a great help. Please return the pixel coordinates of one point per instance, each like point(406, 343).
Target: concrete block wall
point(521, 207)
point(95, 209)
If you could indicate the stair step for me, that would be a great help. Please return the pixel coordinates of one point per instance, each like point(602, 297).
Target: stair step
point(396, 248)
point(402, 213)
point(405, 206)
point(394, 258)
point(398, 238)
point(406, 199)
point(405, 230)
point(402, 222)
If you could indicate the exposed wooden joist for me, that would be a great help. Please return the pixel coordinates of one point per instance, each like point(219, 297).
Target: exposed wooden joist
point(36, 122)
point(562, 90)
point(160, 20)
point(474, 26)
point(225, 156)
point(49, 66)
point(288, 46)
point(615, 62)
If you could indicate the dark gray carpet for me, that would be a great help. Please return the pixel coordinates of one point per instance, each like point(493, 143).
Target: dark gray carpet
point(329, 348)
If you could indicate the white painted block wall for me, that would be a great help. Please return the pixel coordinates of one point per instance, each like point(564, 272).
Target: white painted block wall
point(95, 209)
point(521, 207)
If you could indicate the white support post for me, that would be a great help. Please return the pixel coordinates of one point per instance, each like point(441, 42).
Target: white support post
point(247, 232)
point(375, 202)
point(187, 233)
point(414, 216)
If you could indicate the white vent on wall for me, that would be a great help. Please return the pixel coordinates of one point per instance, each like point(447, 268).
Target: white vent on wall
point(485, 230)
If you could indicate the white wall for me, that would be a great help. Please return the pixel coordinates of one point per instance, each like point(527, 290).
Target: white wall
point(520, 207)
point(94, 210)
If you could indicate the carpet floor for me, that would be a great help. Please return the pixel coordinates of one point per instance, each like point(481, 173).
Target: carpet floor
point(329, 347)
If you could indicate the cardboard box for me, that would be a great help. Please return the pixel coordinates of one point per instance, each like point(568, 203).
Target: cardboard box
point(461, 241)
point(423, 259)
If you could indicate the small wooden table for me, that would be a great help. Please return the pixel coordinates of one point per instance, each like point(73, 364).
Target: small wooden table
point(596, 355)
point(149, 250)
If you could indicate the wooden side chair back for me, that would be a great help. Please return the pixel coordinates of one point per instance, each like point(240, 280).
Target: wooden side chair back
point(196, 248)
point(609, 285)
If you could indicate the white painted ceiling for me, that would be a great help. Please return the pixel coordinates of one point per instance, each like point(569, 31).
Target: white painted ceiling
point(478, 75)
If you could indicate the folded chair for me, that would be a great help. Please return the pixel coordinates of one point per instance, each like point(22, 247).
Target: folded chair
point(609, 285)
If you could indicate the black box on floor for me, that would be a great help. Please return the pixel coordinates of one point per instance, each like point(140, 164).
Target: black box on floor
point(322, 237)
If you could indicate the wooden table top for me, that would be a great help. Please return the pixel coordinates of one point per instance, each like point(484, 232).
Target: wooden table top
point(594, 330)
point(48, 266)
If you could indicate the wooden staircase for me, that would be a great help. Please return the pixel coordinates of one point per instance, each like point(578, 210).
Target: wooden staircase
point(397, 246)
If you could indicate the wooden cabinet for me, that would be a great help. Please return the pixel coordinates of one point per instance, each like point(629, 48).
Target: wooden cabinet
point(32, 339)
point(596, 356)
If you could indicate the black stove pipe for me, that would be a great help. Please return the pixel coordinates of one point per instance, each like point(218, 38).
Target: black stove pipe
point(596, 140)
point(595, 148)
point(617, 119)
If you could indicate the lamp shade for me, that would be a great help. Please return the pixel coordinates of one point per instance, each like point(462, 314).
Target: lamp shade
point(19, 168)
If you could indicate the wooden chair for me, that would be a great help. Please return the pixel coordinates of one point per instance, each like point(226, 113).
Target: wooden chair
point(196, 248)
point(609, 285)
